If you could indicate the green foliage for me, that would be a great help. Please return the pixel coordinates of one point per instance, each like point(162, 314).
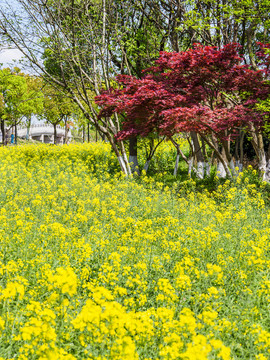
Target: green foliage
point(218, 22)
point(19, 95)
point(57, 106)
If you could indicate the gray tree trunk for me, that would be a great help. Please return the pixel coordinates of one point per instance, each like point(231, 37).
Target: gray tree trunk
point(133, 156)
point(198, 155)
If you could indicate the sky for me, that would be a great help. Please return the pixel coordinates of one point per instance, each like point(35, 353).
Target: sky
point(7, 57)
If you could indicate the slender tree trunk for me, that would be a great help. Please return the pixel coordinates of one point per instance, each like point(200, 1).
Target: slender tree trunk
point(66, 130)
point(223, 165)
point(242, 137)
point(206, 160)
point(88, 132)
point(223, 156)
point(133, 156)
point(227, 146)
point(239, 151)
point(146, 165)
point(54, 133)
point(118, 153)
point(250, 33)
point(176, 162)
point(267, 175)
point(28, 128)
point(257, 143)
point(83, 134)
point(124, 156)
point(198, 154)
point(190, 165)
point(236, 151)
point(191, 157)
point(16, 132)
point(109, 133)
point(3, 132)
point(151, 153)
point(196, 159)
point(178, 153)
point(262, 163)
point(189, 160)
point(149, 157)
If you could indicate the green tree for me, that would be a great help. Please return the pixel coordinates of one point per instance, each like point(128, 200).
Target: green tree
point(35, 99)
point(17, 99)
point(57, 109)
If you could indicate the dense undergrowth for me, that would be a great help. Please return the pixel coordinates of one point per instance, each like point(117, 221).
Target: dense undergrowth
point(97, 266)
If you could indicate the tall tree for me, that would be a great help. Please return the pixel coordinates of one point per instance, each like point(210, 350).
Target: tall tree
point(35, 99)
point(78, 41)
point(86, 43)
point(57, 109)
point(18, 99)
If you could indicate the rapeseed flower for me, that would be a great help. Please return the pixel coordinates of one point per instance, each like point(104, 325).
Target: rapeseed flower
point(97, 266)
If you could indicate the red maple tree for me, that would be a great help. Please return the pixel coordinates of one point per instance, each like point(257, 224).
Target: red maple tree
point(205, 90)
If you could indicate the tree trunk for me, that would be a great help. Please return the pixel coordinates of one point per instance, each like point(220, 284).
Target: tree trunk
point(227, 155)
point(54, 133)
point(221, 172)
point(16, 133)
point(66, 131)
point(206, 160)
point(3, 132)
point(151, 153)
point(191, 156)
point(267, 172)
point(250, 33)
point(189, 160)
point(239, 151)
point(28, 128)
point(133, 156)
point(223, 163)
point(257, 143)
point(124, 155)
point(178, 153)
point(88, 132)
point(119, 153)
point(242, 137)
point(146, 165)
point(190, 165)
point(83, 134)
point(198, 155)
point(176, 163)
point(109, 133)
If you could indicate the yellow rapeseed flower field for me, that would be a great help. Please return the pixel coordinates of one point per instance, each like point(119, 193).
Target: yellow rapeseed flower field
point(94, 265)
